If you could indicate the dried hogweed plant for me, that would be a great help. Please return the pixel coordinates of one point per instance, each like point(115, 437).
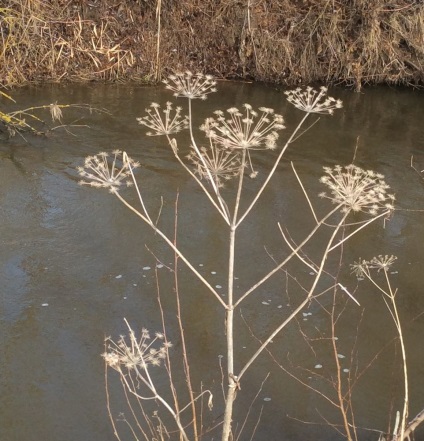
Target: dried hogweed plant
point(231, 137)
point(313, 101)
point(105, 171)
point(133, 359)
point(191, 86)
point(356, 189)
point(216, 163)
point(364, 269)
point(168, 125)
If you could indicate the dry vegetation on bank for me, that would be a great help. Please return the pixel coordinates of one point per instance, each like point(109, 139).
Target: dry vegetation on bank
point(283, 41)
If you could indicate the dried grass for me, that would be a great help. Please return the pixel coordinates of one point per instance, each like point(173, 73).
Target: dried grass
point(282, 41)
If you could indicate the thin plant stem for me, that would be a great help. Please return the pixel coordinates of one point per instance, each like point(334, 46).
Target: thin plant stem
point(288, 258)
point(301, 305)
point(339, 392)
point(312, 266)
point(304, 192)
point(186, 364)
point(205, 190)
point(171, 244)
point(271, 173)
point(168, 359)
point(230, 313)
point(395, 315)
point(213, 184)
point(385, 213)
point(158, 18)
point(229, 401)
point(115, 432)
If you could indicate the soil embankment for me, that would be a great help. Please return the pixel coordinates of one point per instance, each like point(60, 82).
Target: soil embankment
point(291, 42)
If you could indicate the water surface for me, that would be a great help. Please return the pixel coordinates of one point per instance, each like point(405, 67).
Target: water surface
point(74, 263)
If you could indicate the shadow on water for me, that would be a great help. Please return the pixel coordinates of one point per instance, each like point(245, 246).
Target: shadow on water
point(74, 262)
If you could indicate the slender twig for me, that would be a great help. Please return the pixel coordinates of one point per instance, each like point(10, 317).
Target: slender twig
point(301, 305)
point(186, 364)
point(288, 258)
point(210, 177)
point(171, 244)
point(271, 173)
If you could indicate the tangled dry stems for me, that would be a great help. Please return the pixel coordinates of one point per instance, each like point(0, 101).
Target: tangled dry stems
point(286, 42)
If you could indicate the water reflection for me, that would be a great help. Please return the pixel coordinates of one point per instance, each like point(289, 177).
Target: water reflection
point(63, 248)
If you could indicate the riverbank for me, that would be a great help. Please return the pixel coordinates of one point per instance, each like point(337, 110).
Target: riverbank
point(282, 41)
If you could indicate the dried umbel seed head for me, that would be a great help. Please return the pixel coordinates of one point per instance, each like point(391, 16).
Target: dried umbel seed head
point(244, 130)
point(55, 112)
point(163, 123)
point(133, 353)
point(216, 163)
point(380, 262)
point(359, 268)
point(191, 85)
point(108, 171)
point(313, 101)
point(355, 189)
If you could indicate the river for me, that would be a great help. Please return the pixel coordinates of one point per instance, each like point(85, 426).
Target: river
point(74, 262)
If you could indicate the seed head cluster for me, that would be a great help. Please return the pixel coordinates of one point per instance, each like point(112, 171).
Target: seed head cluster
point(165, 124)
point(191, 86)
point(216, 163)
point(380, 262)
point(313, 101)
point(244, 130)
point(105, 171)
point(136, 354)
point(356, 189)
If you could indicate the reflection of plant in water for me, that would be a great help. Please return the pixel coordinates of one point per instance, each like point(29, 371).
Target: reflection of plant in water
point(233, 140)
